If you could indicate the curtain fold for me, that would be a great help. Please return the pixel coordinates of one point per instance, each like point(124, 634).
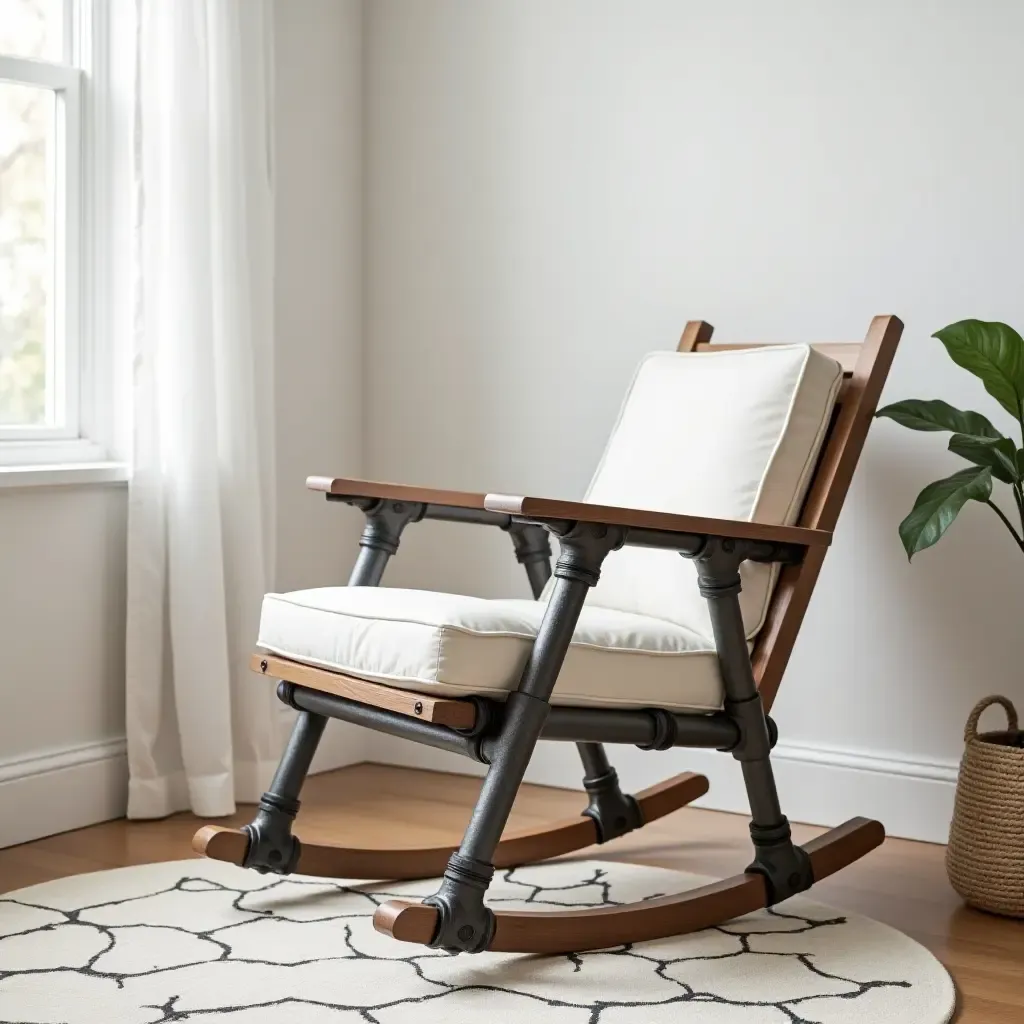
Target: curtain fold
point(201, 735)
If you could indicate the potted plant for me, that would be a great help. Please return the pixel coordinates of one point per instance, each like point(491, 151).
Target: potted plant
point(994, 353)
point(985, 856)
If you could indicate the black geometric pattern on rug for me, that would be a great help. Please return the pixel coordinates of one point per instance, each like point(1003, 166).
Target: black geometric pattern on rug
point(107, 942)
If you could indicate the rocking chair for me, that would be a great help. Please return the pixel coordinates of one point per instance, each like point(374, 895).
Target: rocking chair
point(737, 458)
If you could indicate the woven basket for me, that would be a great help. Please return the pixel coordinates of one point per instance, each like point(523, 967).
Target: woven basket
point(985, 857)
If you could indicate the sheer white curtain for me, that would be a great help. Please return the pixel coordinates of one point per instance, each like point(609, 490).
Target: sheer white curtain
point(200, 536)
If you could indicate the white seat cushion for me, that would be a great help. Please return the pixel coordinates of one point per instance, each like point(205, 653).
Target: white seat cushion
point(454, 646)
point(729, 435)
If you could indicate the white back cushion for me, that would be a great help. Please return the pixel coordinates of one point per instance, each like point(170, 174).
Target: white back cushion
point(731, 435)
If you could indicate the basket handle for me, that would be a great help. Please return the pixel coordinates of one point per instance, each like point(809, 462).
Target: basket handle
point(971, 728)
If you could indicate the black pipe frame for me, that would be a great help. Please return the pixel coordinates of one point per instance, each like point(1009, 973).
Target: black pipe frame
point(689, 545)
point(505, 735)
point(717, 731)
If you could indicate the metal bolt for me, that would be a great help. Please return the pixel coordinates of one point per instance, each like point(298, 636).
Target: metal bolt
point(263, 665)
point(466, 933)
point(418, 707)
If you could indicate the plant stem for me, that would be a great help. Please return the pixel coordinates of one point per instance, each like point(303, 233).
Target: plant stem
point(1018, 497)
point(1006, 522)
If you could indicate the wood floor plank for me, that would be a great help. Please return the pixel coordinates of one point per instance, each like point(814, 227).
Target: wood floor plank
point(902, 883)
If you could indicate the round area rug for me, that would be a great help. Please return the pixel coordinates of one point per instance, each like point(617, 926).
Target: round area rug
point(197, 940)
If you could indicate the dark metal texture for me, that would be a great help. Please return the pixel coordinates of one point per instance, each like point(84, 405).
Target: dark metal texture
point(640, 727)
point(380, 719)
point(595, 760)
point(449, 513)
point(477, 516)
point(689, 545)
point(583, 549)
point(533, 552)
point(272, 847)
point(786, 867)
point(460, 906)
point(613, 812)
point(385, 521)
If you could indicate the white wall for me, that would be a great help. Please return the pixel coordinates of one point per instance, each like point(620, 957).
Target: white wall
point(553, 189)
point(62, 550)
point(318, 295)
point(62, 567)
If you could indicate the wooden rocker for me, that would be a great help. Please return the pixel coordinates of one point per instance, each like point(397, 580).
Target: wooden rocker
point(737, 458)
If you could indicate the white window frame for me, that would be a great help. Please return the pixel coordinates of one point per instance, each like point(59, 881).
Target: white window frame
point(87, 147)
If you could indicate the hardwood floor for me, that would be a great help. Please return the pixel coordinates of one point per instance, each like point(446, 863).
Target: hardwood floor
point(903, 884)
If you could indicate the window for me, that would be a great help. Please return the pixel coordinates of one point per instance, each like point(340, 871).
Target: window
point(53, 178)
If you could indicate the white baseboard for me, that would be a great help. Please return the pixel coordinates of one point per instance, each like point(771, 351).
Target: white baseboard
point(819, 785)
point(60, 790)
point(67, 789)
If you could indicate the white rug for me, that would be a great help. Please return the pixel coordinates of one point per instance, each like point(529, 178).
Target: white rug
point(201, 941)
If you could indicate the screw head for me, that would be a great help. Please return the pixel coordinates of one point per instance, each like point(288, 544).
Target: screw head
point(418, 707)
point(263, 665)
point(466, 933)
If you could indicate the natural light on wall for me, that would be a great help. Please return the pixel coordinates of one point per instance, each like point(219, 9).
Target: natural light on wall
point(34, 186)
point(58, 172)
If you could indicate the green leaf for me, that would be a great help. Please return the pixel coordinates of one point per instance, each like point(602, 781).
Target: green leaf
point(940, 503)
point(993, 352)
point(999, 454)
point(918, 414)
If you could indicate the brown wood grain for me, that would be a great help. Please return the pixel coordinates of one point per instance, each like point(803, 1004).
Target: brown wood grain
point(846, 353)
point(576, 931)
point(220, 843)
point(867, 365)
point(580, 511)
point(696, 332)
point(344, 486)
point(841, 846)
point(665, 797)
point(858, 401)
point(903, 884)
point(520, 846)
point(406, 921)
point(457, 714)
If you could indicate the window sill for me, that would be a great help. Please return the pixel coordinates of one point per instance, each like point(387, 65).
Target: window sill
point(64, 474)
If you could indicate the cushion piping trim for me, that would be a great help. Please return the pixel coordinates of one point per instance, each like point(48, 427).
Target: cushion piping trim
point(636, 651)
point(801, 479)
point(822, 429)
point(470, 691)
point(409, 621)
point(499, 634)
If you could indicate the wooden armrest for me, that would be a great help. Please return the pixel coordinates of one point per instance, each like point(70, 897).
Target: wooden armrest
point(399, 492)
point(579, 511)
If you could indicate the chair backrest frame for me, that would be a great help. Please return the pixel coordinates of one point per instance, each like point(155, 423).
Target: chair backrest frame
point(865, 368)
